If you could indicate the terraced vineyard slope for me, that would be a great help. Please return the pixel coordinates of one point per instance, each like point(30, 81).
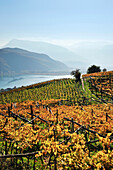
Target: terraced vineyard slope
point(56, 125)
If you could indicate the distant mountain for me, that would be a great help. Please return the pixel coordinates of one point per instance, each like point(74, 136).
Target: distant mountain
point(56, 52)
point(79, 55)
point(99, 53)
point(22, 61)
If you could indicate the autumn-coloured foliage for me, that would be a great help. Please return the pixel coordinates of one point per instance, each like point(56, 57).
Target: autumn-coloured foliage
point(73, 152)
point(106, 73)
point(63, 131)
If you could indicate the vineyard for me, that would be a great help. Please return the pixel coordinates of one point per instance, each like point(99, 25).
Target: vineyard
point(101, 85)
point(58, 125)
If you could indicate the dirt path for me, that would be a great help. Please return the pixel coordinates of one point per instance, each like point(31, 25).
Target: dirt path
point(82, 84)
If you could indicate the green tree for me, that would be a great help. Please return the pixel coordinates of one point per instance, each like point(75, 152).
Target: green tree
point(104, 70)
point(93, 69)
point(76, 73)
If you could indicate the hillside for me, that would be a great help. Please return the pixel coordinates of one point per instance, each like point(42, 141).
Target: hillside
point(22, 61)
point(56, 52)
point(57, 125)
point(78, 55)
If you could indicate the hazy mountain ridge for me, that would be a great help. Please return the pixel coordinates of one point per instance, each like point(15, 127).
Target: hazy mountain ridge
point(80, 55)
point(98, 52)
point(23, 61)
point(56, 52)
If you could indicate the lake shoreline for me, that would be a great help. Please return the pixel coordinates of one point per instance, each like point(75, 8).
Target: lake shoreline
point(26, 80)
point(39, 84)
point(47, 73)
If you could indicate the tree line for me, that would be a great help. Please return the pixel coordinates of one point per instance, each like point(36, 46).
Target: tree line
point(93, 69)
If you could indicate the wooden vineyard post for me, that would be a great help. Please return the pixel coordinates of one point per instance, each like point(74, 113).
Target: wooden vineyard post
point(72, 124)
point(57, 117)
point(92, 112)
point(86, 136)
point(106, 117)
point(54, 134)
point(9, 111)
point(16, 118)
point(11, 105)
point(16, 153)
point(32, 116)
point(55, 163)
point(101, 92)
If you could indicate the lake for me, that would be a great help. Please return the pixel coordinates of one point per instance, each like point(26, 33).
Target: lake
point(24, 80)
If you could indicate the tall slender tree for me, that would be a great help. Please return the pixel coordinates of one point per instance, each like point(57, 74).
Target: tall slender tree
point(76, 73)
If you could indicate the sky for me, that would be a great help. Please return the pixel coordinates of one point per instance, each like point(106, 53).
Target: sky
point(59, 21)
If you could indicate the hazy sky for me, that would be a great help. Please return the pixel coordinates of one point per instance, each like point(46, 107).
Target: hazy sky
point(60, 21)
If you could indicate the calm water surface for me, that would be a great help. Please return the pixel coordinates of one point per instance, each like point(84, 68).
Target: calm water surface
point(24, 80)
